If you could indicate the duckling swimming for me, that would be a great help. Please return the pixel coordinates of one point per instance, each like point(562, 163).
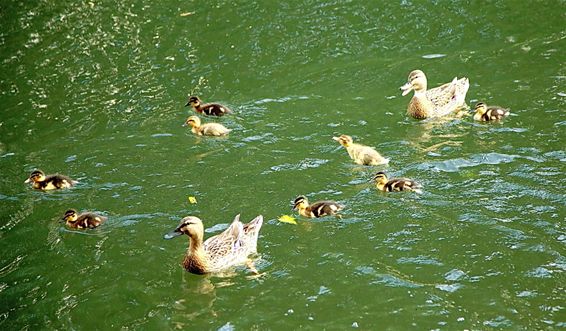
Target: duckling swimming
point(437, 102)
point(84, 220)
point(207, 129)
point(491, 113)
point(395, 184)
point(363, 155)
point(317, 209)
point(49, 182)
point(211, 109)
point(229, 248)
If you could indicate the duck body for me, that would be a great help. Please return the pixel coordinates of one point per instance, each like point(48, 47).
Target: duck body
point(437, 102)
point(361, 154)
point(492, 113)
point(210, 109)
point(207, 129)
point(49, 182)
point(86, 220)
point(317, 209)
point(395, 184)
point(227, 249)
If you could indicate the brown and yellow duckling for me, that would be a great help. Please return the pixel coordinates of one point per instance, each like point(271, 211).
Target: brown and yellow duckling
point(207, 129)
point(395, 184)
point(86, 220)
point(437, 102)
point(211, 109)
point(491, 113)
point(227, 249)
point(49, 182)
point(361, 154)
point(317, 209)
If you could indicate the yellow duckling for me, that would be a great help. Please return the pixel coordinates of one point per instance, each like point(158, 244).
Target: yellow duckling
point(227, 249)
point(207, 129)
point(437, 102)
point(317, 209)
point(84, 220)
point(395, 184)
point(363, 155)
point(491, 113)
point(49, 182)
point(211, 109)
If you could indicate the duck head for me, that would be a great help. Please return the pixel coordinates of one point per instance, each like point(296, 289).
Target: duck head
point(70, 216)
point(36, 176)
point(480, 108)
point(193, 101)
point(416, 81)
point(190, 225)
point(344, 140)
point(380, 177)
point(300, 202)
point(192, 121)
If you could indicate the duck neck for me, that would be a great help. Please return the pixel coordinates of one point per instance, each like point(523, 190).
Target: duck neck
point(195, 260)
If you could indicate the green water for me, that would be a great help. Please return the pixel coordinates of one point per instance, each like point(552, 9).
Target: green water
point(95, 90)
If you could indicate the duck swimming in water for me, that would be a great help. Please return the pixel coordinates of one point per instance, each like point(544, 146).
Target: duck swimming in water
point(317, 209)
point(207, 129)
point(491, 113)
point(436, 102)
point(361, 154)
point(227, 249)
point(83, 220)
point(49, 182)
point(211, 109)
point(395, 184)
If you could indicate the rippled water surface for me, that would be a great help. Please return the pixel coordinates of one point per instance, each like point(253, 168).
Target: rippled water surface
point(96, 90)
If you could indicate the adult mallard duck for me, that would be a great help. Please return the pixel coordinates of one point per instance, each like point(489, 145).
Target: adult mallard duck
point(395, 184)
point(83, 220)
point(213, 109)
point(363, 155)
point(49, 182)
point(317, 209)
point(227, 249)
point(491, 113)
point(437, 102)
point(207, 129)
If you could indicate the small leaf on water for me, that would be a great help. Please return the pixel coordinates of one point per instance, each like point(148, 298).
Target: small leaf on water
point(287, 219)
point(192, 200)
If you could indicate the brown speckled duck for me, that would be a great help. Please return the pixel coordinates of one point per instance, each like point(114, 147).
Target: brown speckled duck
point(227, 249)
point(207, 129)
point(361, 154)
point(211, 109)
point(83, 220)
point(395, 184)
point(49, 182)
point(491, 113)
point(317, 209)
point(437, 102)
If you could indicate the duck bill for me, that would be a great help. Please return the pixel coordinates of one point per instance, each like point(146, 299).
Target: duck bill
point(336, 138)
point(406, 89)
point(172, 234)
point(188, 104)
point(27, 181)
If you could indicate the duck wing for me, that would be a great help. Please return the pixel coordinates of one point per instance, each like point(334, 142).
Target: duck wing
point(226, 249)
point(448, 97)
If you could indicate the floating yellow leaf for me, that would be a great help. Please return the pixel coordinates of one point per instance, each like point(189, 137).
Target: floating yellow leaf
point(287, 219)
point(186, 14)
point(192, 200)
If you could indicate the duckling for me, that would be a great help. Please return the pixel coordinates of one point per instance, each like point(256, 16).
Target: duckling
point(437, 102)
point(491, 113)
point(229, 248)
point(83, 220)
point(363, 155)
point(395, 184)
point(211, 109)
point(317, 209)
point(49, 182)
point(207, 129)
